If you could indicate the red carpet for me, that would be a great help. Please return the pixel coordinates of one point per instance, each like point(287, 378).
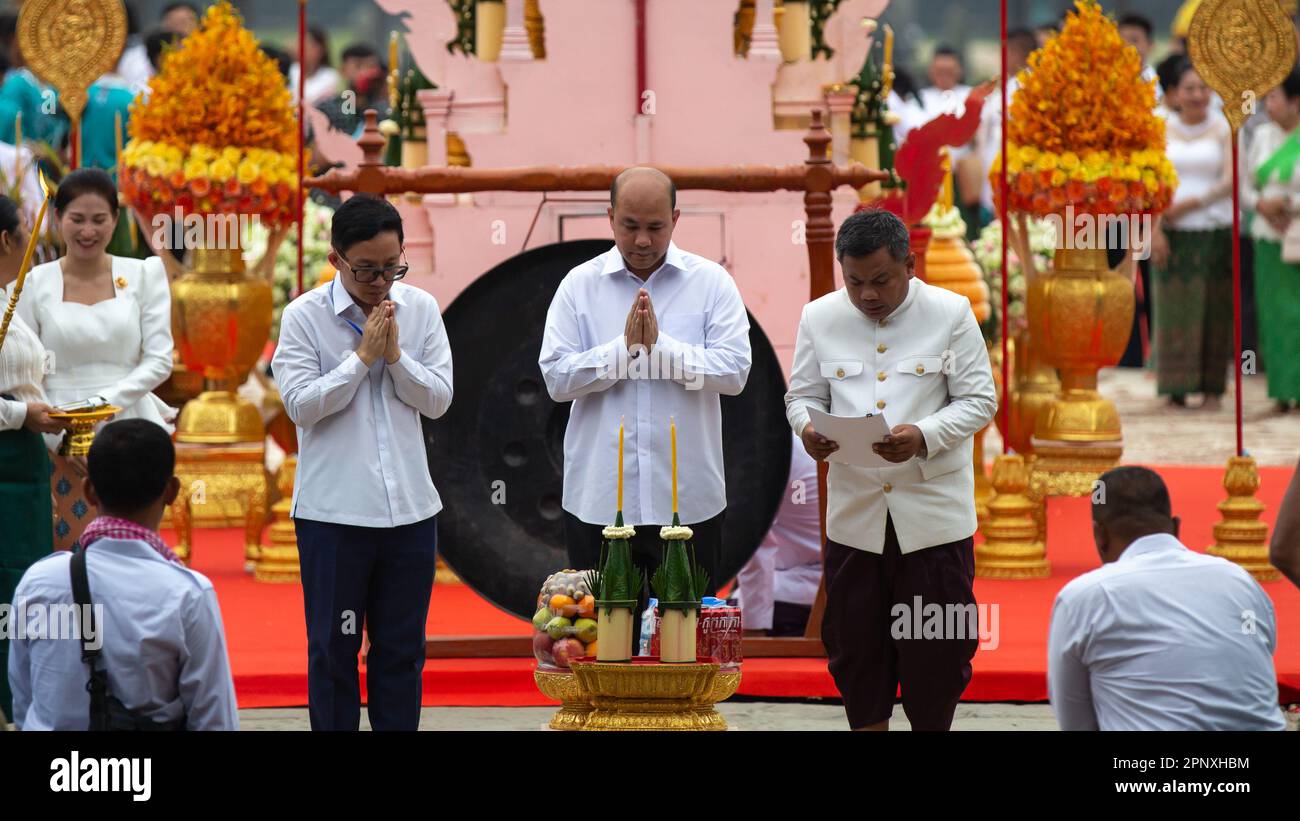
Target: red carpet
point(268, 644)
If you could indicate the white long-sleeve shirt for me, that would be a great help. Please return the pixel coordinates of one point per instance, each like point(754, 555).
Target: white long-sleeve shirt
point(1163, 638)
point(164, 646)
point(702, 352)
point(361, 457)
point(21, 372)
point(787, 566)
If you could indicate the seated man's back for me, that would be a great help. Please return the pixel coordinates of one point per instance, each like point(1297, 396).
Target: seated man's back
point(156, 624)
point(1170, 640)
point(162, 642)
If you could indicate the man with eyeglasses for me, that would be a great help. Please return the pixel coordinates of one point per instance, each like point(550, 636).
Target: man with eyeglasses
point(359, 361)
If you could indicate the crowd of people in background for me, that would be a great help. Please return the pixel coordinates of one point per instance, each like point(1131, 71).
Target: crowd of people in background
point(1182, 329)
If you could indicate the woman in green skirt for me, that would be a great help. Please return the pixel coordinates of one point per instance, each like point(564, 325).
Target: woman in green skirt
point(26, 514)
point(1191, 278)
point(1271, 189)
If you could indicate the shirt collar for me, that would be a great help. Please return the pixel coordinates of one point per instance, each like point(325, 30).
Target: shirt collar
point(614, 262)
point(913, 286)
point(341, 300)
point(1147, 545)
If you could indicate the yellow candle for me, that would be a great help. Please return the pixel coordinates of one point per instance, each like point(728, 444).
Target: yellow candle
point(620, 464)
point(27, 263)
point(889, 46)
point(672, 431)
point(392, 52)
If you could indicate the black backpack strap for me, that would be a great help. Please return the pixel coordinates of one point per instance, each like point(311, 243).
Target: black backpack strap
point(97, 685)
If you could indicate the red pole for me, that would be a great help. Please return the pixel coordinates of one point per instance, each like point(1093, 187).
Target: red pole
point(302, 127)
point(75, 145)
point(640, 54)
point(1236, 289)
point(1005, 408)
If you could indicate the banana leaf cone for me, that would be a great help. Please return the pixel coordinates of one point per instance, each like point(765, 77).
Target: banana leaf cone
point(678, 583)
point(617, 585)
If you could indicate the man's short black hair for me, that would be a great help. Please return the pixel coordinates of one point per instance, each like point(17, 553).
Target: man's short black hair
point(170, 7)
point(865, 232)
point(156, 42)
point(359, 51)
point(363, 217)
point(130, 463)
point(1023, 39)
point(1137, 21)
point(1133, 500)
point(1291, 85)
point(947, 51)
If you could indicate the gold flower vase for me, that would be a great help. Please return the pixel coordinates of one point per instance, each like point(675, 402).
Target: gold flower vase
point(1080, 315)
point(221, 317)
point(1035, 387)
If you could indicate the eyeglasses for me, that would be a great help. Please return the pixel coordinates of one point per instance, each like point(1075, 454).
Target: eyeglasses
point(366, 274)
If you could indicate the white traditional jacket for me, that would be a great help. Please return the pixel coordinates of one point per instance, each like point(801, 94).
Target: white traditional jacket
point(926, 365)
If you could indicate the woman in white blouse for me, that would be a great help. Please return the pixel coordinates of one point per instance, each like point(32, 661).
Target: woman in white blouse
point(105, 323)
point(25, 508)
point(1271, 188)
point(1191, 279)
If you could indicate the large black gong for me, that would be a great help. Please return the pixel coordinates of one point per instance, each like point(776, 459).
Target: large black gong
point(497, 456)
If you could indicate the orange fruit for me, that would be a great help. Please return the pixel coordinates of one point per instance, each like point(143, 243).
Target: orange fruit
point(587, 607)
point(560, 602)
point(591, 649)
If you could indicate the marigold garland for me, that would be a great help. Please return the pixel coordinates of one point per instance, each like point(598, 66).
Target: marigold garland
point(217, 134)
point(1082, 130)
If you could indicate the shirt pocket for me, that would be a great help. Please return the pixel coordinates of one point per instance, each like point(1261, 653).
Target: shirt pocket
point(838, 370)
point(921, 365)
point(688, 328)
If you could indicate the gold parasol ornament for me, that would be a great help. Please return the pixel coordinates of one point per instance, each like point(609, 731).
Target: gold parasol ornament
point(70, 44)
point(1242, 49)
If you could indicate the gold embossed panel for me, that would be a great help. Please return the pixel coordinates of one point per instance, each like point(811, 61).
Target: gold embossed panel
point(70, 43)
point(1242, 49)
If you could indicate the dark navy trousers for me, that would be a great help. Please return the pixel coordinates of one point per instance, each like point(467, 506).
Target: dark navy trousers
point(379, 578)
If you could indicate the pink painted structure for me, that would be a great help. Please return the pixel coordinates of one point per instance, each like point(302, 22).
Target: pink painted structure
point(580, 105)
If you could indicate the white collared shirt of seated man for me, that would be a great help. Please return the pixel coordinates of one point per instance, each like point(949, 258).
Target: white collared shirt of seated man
point(1159, 637)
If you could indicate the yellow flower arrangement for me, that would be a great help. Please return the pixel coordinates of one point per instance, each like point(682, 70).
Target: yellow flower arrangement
point(1082, 130)
point(217, 133)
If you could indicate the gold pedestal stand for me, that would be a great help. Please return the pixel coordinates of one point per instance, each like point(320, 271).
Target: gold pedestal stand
point(658, 697)
point(278, 561)
point(1241, 537)
point(221, 475)
point(82, 435)
point(1012, 548)
point(575, 703)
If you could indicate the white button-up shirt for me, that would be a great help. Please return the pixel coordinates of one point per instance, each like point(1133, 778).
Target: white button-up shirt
point(926, 365)
point(702, 352)
point(1163, 638)
point(787, 566)
point(162, 641)
point(361, 457)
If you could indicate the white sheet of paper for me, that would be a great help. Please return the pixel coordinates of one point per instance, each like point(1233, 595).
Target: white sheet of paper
point(855, 435)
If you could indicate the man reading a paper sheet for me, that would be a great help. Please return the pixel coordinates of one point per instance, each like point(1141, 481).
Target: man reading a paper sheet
point(899, 536)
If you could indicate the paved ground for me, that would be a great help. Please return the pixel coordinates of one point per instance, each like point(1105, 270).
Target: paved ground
point(750, 715)
point(1156, 433)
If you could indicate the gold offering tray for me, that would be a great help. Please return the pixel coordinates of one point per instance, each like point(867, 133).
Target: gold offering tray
point(83, 426)
point(639, 695)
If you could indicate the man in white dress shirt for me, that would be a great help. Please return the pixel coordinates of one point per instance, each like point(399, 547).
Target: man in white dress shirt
point(1159, 637)
point(360, 360)
point(777, 587)
point(640, 334)
point(159, 632)
point(898, 536)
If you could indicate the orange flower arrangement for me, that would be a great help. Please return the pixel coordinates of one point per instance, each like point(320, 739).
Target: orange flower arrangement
point(1082, 130)
point(217, 133)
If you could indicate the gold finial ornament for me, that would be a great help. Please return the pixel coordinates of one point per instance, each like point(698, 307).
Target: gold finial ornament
point(70, 44)
point(1240, 536)
point(1242, 49)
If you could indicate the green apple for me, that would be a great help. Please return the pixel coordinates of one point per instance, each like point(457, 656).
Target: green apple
point(541, 617)
point(558, 627)
point(586, 630)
